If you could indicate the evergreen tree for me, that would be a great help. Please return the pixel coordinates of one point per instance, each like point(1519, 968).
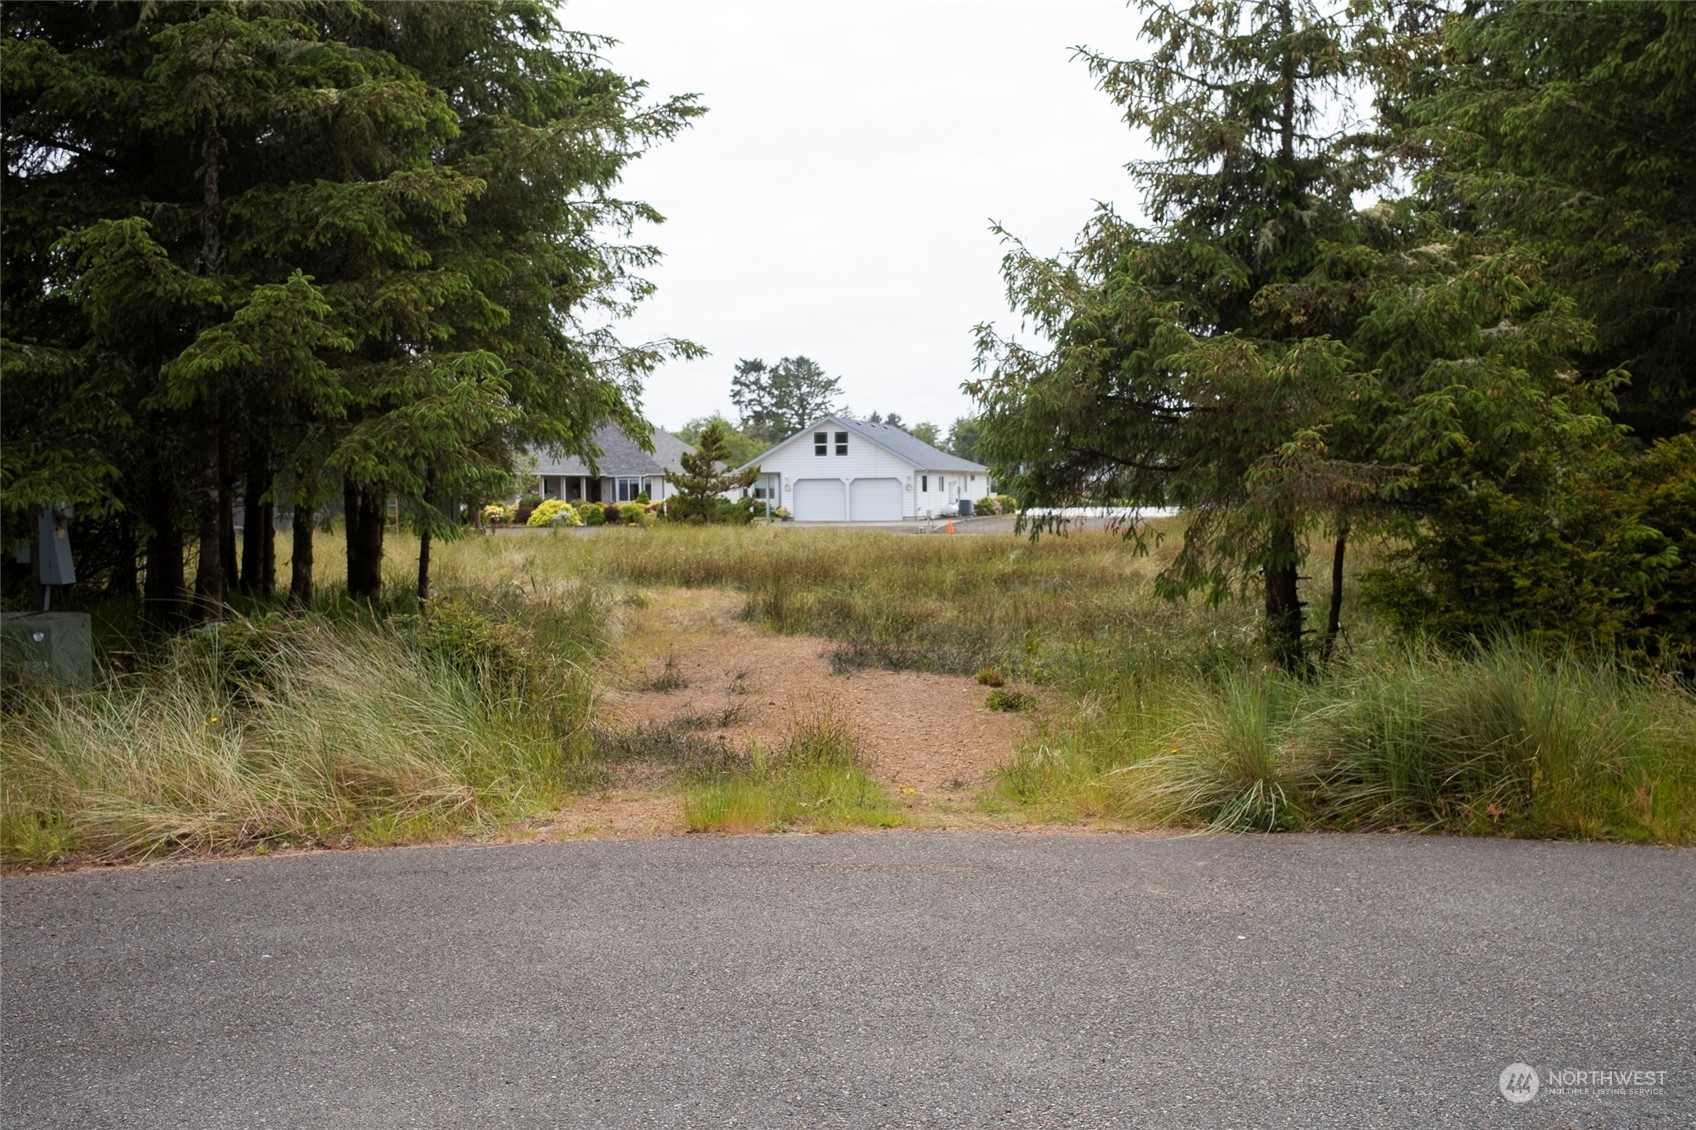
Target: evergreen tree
point(743, 448)
point(373, 274)
point(1570, 127)
point(706, 477)
point(779, 401)
point(1173, 379)
point(1277, 362)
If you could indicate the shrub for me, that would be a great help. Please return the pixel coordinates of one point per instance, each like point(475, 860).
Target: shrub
point(531, 501)
point(738, 512)
point(454, 633)
point(521, 516)
point(593, 513)
point(781, 513)
point(988, 676)
point(497, 515)
point(631, 513)
point(554, 512)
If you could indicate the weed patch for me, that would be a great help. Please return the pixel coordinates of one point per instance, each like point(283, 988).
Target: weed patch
point(1011, 702)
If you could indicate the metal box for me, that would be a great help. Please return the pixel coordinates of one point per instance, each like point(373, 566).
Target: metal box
point(49, 645)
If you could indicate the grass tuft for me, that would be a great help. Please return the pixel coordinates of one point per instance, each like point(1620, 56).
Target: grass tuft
point(814, 782)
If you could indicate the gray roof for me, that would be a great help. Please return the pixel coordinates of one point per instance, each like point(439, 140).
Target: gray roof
point(620, 457)
point(916, 451)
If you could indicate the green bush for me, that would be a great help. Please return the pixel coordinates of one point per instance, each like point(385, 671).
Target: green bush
point(632, 513)
point(738, 512)
point(1663, 483)
point(593, 513)
point(470, 642)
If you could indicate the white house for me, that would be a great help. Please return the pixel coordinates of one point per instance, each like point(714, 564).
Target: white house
point(843, 470)
point(621, 472)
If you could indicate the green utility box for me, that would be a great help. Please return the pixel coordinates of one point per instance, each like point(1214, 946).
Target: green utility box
point(49, 645)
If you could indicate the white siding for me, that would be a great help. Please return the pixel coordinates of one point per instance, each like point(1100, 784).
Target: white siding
point(866, 460)
point(795, 460)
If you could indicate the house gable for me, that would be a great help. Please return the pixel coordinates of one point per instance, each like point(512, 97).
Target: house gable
point(842, 469)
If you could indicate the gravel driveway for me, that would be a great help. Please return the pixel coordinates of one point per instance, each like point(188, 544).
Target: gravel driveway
point(896, 979)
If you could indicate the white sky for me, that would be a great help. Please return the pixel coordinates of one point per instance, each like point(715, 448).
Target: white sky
point(836, 199)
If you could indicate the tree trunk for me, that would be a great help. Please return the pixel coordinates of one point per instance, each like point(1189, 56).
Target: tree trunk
point(209, 575)
point(164, 592)
point(258, 535)
point(300, 567)
point(1283, 603)
point(426, 520)
point(1334, 618)
point(125, 582)
point(227, 514)
point(423, 564)
point(366, 522)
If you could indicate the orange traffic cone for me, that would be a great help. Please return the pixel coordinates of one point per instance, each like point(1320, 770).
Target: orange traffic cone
point(951, 527)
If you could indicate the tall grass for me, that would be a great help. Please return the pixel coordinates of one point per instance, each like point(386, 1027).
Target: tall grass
point(1048, 610)
point(394, 724)
point(1506, 741)
point(1175, 717)
point(296, 731)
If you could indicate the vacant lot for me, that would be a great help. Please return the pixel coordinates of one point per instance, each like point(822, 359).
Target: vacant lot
point(650, 681)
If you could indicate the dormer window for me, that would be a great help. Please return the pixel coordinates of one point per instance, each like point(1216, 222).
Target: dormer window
point(842, 443)
point(821, 443)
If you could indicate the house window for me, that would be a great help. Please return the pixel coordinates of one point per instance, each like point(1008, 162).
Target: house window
point(842, 443)
point(628, 489)
point(924, 483)
point(821, 443)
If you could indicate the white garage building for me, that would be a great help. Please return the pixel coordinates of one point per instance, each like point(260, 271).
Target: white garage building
point(843, 470)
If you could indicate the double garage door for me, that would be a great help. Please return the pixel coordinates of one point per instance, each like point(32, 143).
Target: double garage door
point(832, 500)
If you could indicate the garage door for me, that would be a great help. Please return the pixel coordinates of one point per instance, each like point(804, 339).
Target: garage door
point(820, 500)
point(875, 500)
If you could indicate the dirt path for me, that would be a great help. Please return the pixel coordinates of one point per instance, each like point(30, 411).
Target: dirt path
point(686, 657)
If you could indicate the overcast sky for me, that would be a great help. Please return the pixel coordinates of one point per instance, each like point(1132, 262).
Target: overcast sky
point(836, 200)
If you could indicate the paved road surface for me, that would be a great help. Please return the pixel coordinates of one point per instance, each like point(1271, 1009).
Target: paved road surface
point(904, 979)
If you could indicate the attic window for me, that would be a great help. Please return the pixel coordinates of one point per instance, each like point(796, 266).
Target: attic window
point(842, 443)
point(821, 443)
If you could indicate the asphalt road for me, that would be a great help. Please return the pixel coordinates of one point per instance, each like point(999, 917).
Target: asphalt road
point(899, 979)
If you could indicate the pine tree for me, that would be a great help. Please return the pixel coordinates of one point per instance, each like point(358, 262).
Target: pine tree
point(705, 477)
point(1173, 378)
point(372, 274)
